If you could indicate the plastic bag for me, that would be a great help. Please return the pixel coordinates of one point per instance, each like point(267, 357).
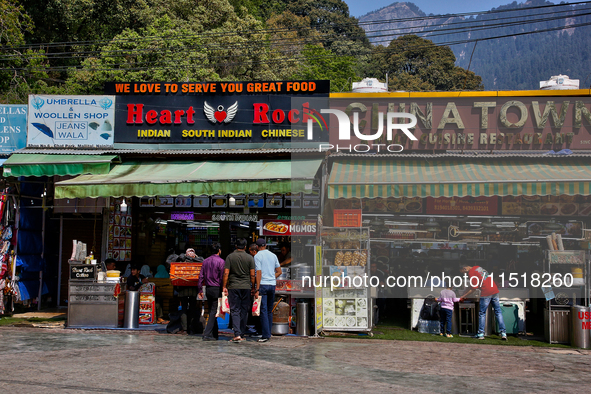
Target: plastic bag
point(256, 306)
point(220, 312)
point(225, 304)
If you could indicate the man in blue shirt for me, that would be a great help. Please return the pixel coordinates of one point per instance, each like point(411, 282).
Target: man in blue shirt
point(267, 271)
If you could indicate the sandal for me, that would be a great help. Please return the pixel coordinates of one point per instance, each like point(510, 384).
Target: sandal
point(237, 339)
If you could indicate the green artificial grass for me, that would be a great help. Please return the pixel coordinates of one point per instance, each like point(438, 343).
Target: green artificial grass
point(390, 332)
point(10, 321)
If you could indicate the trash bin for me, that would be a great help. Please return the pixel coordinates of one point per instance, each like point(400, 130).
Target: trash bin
point(132, 309)
point(510, 313)
point(302, 320)
point(580, 325)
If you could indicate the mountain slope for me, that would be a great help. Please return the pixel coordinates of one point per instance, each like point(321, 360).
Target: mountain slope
point(514, 60)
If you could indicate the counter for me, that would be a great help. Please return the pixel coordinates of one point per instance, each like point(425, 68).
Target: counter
point(92, 304)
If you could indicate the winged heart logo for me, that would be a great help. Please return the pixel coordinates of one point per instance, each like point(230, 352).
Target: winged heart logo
point(220, 115)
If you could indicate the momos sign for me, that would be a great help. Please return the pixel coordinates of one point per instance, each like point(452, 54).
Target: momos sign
point(486, 123)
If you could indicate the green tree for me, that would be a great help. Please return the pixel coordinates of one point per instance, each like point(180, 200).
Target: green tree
point(260, 9)
point(209, 42)
point(85, 20)
point(288, 36)
point(22, 70)
point(415, 64)
point(323, 64)
point(340, 32)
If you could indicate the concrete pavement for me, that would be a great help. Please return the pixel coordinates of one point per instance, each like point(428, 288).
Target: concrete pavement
point(75, 361)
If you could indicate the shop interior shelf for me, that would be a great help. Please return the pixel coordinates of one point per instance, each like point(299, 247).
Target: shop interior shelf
point(448, 259)
point(332, 250)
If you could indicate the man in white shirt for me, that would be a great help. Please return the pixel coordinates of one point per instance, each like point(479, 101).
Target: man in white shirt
point(267, 271)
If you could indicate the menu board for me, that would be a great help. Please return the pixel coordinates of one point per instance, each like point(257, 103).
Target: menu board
point(164, 201)
point(345, 309)
point(472, 206)
point(547, 205)
point(120, 224)
point(256, 201)
point(161, 201)
point(219, 201)
point(201, 201)
point(183, 202)
point(147, 303)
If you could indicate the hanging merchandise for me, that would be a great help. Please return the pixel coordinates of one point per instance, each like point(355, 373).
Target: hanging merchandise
point(2, 287)
point(7, 274)
point(2, 205)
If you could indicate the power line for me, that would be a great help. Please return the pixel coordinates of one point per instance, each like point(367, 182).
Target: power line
point(261, 31)
point(148, 65)
point(474, 26)
point(298, 58)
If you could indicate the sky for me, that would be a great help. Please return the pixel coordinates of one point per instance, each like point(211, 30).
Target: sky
point(358, 8)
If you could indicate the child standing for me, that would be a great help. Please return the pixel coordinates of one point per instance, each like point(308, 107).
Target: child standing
point(447, 297)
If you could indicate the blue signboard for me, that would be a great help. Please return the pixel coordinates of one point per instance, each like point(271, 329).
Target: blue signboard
point(13, 128)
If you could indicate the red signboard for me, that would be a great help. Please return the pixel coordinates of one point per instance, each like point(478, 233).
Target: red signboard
point(472, 206)
point(289, 227)
point(469, 123)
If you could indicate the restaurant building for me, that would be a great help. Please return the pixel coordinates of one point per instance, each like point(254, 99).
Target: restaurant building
point(482, 176)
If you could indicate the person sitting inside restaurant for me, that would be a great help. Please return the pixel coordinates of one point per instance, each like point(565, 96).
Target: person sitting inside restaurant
point(161, 272)
point(285, 259)
point(111, 264)
point(135, 280)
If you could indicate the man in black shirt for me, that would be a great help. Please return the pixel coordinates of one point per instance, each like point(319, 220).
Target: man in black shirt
point(111, 264)
point(238, 285)
point(135, 280)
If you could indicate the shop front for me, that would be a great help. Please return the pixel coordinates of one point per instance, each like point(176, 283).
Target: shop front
point(210, 167)
point(44, 228)
point(173, 205)
point(455, 194)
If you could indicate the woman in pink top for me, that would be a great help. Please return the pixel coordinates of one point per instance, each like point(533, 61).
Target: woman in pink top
point(447, 299)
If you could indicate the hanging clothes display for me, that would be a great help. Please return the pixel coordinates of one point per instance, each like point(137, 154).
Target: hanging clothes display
point(8, 281)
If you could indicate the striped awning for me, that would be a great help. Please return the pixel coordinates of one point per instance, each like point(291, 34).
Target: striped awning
point(37, 164)
point(187, 177)
point(458, 178)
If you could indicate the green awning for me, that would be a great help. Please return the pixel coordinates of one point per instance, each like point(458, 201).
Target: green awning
point(36, 164)
point(459, 178)
point(185, 178)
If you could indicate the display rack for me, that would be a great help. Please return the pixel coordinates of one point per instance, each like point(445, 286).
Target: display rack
point(557, 314)
point(345, 253)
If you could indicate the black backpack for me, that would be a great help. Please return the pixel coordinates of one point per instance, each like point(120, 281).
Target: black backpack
point(174, 324)
point(430, 309)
